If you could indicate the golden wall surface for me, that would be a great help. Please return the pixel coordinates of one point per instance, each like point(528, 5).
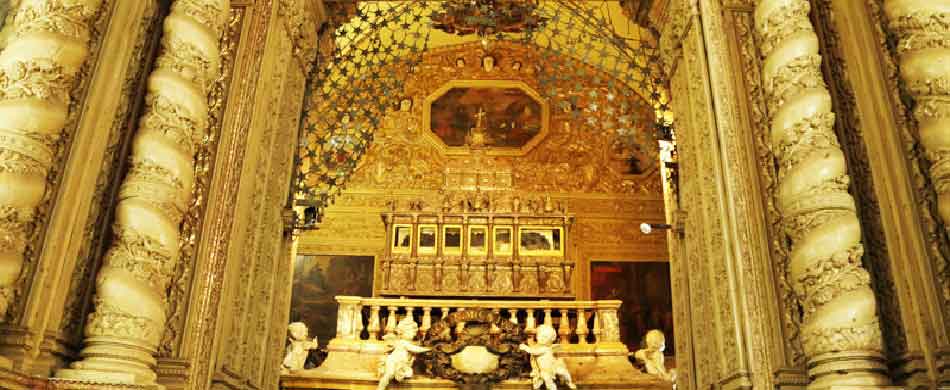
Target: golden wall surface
point(579, 165)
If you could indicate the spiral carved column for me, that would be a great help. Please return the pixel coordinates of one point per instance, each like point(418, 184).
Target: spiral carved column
point(47, 45)
point(840, 334)
point(923, 27)
point(123, 333)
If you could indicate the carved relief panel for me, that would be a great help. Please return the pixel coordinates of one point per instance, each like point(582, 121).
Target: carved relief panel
point(579, 158)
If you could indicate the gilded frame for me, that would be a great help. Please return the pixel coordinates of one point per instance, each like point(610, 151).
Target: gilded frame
point(511, 240)
point(559, 252)
point(428, 250)
point(483, 251)
point(491, 151)
point(446, 250)
point(394, 244)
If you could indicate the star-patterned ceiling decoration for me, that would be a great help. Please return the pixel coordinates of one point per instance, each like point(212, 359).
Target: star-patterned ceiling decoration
point(380, 46)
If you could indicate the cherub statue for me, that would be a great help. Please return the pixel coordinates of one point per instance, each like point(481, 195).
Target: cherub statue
point(298, 349)
point(544, 365)
point(652, 356)
point(398, 364)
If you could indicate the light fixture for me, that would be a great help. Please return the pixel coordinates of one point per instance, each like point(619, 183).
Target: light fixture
point(647, 228)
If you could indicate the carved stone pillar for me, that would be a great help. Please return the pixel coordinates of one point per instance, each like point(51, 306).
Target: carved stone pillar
point(48, 44)
point(840, 330)
point(123, 333)
point(923, 27)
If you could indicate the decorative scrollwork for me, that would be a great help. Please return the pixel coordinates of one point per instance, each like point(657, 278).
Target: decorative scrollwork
point(479, 328)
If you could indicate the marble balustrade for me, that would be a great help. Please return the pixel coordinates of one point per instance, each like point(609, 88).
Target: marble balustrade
point(588, 332)
point(577, 322)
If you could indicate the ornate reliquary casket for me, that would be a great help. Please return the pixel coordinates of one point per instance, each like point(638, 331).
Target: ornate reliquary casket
point(506, 254)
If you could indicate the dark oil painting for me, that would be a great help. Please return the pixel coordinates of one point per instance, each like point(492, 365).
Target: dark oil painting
point(644, 288)
point(317, 280)
point(511, 116)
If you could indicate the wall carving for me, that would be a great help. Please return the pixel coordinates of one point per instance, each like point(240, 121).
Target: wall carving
point(96, 231)
point(680, 265)
point(256, 290)
point(192, 223)
point(920, 29)
point(131, 286)
point(35, 154)
point(580, 164)
point(225, 185)
point(289, 120)
point(826, 278)
point(889, 48)
point(767, 173)
point(299, 18)
point(709, 358)
point(851, 135)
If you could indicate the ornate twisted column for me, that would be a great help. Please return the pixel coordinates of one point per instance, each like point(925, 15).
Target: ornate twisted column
point(47, 45)
point(841, 335)
point(923, 27)
point(123, 333)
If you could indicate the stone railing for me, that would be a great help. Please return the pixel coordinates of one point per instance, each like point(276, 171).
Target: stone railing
point(577, 322)
point(588, 333)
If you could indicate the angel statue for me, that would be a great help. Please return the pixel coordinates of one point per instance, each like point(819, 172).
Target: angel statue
point(544, 365)
point(299, 347)
point(652, 356)
point(398, 364)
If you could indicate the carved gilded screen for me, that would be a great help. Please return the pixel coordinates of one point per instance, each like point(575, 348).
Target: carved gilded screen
point(644, 288)
point(318, 279)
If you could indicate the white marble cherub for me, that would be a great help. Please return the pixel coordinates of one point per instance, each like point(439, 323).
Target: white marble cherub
point(545, 367)
point(652, 356)
point(298, 348)
point(398, 364)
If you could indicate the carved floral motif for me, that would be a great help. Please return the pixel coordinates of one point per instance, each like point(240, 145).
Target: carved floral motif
point(919, 33)
point(35, 81)
point(814, 205)
point(154, 197)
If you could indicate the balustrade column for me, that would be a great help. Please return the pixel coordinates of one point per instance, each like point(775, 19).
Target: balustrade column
point(460, 326)
point(564, 327)
point(123, 332)
point(48, 44)
point(513, 315)
point(391, 320)
point(529, 322)
point(373, 326)
point(445, 313)
point(840, 330)
point(923, 28)
point(426, 320)
point(582, 330)
point(597, 332)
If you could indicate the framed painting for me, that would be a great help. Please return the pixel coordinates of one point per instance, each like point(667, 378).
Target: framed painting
point(428, 239)
point(402, 238)
point(320, 278)
point(502, 240)
point(644, 288)
point(541, 241)
point(505, 117)
point(477, 240)
point(452, 240)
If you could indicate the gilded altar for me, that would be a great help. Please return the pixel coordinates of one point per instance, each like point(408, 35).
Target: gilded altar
point(478, 252)
point(419, 163)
